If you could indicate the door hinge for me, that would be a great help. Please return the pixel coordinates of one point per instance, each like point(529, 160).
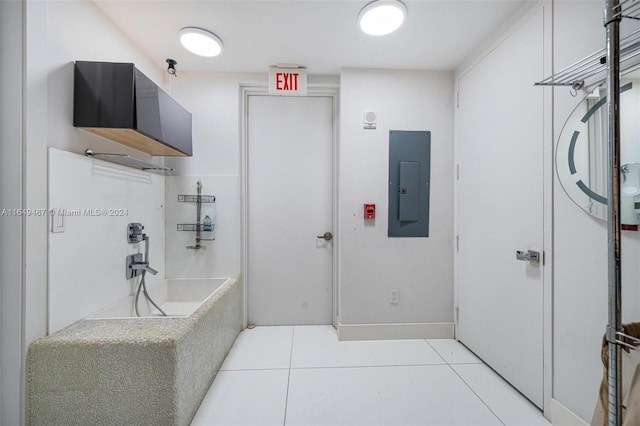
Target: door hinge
point(457, 99)
point(457, 171)
point(457, 243)
point(457, 314)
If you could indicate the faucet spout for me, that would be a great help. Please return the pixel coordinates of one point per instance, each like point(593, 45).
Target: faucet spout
point(143, 266)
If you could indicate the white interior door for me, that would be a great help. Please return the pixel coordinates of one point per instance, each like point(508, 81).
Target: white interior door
point(289, 204)
point(500, 209)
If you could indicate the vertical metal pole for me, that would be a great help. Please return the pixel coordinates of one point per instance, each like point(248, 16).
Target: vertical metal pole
point(198, 213)
point(612, 24)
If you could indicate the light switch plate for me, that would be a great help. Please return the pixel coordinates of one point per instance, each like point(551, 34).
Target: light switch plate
point(58, 221)
point(394, 296)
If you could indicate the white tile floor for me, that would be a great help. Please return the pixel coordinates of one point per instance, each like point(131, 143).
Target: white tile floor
point(304, 376)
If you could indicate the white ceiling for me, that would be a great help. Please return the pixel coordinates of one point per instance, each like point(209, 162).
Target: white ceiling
point(322, 35)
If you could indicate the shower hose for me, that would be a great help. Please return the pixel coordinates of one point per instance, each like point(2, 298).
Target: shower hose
point(143, 286)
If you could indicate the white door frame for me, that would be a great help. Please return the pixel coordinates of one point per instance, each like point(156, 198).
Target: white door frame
point(548, 184)
point(312, 91)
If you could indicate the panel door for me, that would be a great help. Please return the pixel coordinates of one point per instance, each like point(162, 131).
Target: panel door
point(500, 209)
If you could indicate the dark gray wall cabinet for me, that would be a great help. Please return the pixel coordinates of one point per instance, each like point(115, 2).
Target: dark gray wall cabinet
point(117, 101)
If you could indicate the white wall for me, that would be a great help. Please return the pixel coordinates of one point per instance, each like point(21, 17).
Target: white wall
point(214, 101)
point(420, 268)
point(219, 258)
point(11, 42)
point(77, 30)
point(87, 260)
point(580, 284)
point(57, 33)
point(370, 262)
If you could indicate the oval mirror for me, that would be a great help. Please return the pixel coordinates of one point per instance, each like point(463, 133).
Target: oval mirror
point(582, 153)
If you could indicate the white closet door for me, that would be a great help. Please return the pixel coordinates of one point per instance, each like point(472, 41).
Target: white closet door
point(500, 209)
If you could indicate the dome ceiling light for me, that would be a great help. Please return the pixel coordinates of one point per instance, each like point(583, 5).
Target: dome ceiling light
point(200, 42)
point(382, 17)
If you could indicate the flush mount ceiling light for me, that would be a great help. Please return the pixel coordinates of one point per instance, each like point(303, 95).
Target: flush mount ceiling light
point(199, 41)
point(382, 17)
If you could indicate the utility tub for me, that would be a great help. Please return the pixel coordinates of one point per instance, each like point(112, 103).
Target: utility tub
point(176, 297)
point(116, 368)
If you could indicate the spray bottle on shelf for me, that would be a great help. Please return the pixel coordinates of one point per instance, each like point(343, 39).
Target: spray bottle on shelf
point(207, 224)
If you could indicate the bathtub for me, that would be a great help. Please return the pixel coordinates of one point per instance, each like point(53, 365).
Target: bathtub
point(176, 297)
point(116, 368)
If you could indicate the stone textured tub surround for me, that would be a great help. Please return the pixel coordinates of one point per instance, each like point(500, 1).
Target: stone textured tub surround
point(142, 371)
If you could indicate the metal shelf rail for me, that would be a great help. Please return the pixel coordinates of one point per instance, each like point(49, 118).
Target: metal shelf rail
point(125, 160)
point(591, 71)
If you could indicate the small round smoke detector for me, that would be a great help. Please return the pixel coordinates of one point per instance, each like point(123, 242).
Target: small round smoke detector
point(370, 120)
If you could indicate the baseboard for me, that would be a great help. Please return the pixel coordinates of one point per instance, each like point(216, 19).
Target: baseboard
point(562, 416)
point(395, 331)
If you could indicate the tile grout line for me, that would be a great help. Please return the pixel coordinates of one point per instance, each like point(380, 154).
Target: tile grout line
point(435, 350)
point(286, 400)
point(338, 367)
point(255, 369)
point(476, 394)
point(479, 361)
point(464, 381)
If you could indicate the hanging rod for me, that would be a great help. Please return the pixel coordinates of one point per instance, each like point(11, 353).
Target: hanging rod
point(595, 65)
point(628, 341)
point(126, 160)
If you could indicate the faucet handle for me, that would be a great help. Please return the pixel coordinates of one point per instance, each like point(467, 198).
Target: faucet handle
point(134, 233)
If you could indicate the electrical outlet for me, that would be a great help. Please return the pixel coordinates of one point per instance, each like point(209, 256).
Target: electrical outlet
point(394, 296)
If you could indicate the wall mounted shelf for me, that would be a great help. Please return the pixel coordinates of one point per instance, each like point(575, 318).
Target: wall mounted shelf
point(194, 227)
point(194, 198)
point(591, 71)
point(128, 161)
point(200, 227)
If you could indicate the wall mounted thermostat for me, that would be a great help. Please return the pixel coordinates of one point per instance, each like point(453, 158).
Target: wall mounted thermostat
point(370, 120)
point(369, 211)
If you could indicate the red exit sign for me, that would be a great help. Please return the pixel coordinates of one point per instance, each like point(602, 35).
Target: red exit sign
point(287, 81)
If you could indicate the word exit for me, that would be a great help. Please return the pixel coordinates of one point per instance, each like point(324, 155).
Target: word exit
point(287, 81)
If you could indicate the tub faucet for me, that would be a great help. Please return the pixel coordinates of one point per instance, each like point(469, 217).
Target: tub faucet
point(136, 263)
point(143, 266)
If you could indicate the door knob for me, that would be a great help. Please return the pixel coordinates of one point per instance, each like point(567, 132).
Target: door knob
point(327, 236)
